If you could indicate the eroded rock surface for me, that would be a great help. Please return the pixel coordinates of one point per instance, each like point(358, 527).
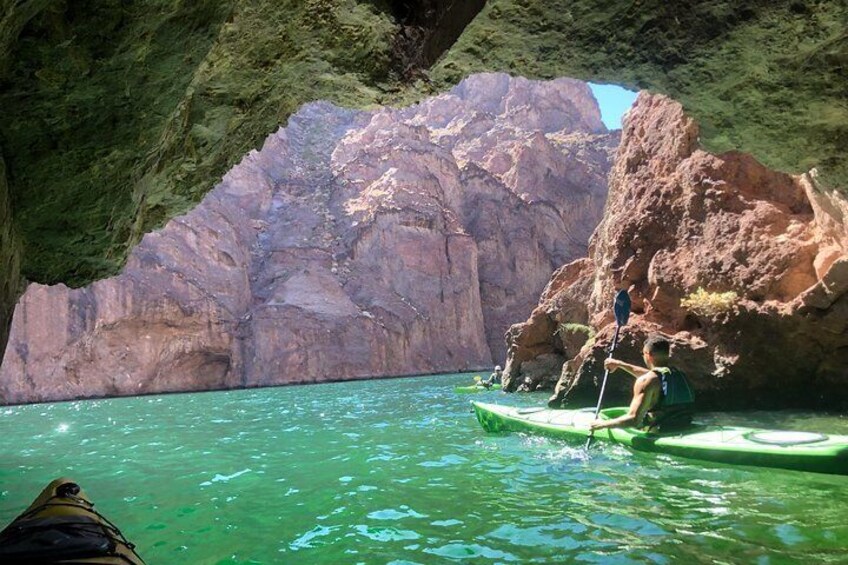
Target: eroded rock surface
point(354, 244)
point(679, 219)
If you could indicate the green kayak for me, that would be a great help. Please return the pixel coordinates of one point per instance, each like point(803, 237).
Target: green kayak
point(475, 388)
point(803, 451)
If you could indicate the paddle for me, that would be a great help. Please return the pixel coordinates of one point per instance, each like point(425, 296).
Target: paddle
point(621, 307)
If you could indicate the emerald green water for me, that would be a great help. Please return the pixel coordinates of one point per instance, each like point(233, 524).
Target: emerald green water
point(399, 471)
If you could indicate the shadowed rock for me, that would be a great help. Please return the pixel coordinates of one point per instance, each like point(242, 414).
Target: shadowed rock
point(10, 258)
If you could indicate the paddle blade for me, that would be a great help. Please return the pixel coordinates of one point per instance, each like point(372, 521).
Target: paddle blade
point(622, 307)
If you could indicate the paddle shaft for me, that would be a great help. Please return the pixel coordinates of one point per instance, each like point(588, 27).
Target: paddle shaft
point(603, 384)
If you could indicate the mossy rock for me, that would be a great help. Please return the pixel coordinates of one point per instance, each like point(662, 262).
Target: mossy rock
point(10, 259)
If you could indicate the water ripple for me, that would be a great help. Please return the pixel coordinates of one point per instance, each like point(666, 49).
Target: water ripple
point(398, 471)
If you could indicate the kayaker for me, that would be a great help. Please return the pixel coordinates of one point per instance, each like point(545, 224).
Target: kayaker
point(494, 378)
point(662, 397)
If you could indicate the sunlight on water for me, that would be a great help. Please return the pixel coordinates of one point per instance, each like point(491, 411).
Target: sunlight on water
point(399, 471)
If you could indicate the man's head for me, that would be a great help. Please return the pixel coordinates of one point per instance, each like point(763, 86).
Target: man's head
point(497, 367)
point(655, 352)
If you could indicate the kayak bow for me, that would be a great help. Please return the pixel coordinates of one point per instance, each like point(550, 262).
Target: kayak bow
point(61, 526)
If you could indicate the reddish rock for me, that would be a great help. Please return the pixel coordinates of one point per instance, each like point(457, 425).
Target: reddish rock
point(353, 245)
point(679, 219)
point(546, 333)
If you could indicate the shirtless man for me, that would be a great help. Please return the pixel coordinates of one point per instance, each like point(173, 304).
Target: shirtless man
point(662, 397)
point(494, 379)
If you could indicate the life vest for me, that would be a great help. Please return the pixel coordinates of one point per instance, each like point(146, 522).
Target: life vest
point(673, 411)
point(675, 388)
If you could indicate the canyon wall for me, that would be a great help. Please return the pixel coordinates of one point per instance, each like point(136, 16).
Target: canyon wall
point(745, 267)
point(353, 244)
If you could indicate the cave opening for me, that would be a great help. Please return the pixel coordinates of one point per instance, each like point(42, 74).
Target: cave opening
point(614, 102)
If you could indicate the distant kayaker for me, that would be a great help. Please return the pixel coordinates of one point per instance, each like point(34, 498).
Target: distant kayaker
point(494, 378)
point(662, 397)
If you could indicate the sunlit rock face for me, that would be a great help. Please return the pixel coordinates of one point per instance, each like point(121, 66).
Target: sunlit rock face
point(354, 244)
point(679, 219)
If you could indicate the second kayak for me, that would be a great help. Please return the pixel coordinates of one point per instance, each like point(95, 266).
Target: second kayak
point(476, 388)
point(803, 451)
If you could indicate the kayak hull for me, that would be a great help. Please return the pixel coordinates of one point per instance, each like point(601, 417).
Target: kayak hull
point(475, 388)
point(817, 453)
point(61, 526)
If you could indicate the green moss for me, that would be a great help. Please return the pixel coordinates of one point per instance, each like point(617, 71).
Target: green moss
point(586, 332)
point(709, 304)
point(121, 116)
point(87, 98)
point(575, 328)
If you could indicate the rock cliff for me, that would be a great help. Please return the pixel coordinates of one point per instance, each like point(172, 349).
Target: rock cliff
point(353, 244)
point(746, 268)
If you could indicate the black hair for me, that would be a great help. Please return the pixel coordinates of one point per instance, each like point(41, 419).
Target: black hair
point(658, 345)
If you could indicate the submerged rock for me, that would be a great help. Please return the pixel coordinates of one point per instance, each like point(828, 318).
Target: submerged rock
point(354, 244)
point(745, 267)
